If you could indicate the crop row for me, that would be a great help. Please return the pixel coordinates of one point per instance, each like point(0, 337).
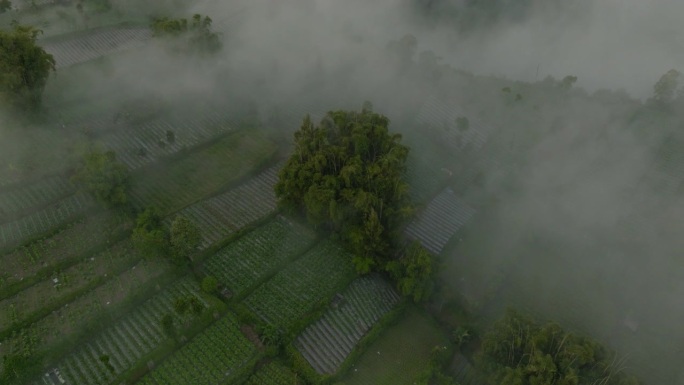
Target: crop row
point(48, 293)
point(35, 194)
point(224, 214)
point(441, 117)
point(326, 343)
point(215, 356)
point(440, 220)
point(74, 240)
point(273, 373)
point(143, 144)
point(41, 221)
point(297, 289)
point(240, 264)
point(126, 341)
point(96, 43)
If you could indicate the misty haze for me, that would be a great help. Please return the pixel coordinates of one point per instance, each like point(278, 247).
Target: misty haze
point(341, 192)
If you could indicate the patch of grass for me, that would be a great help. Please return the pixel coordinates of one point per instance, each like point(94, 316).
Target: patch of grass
point(211, 169)
point(399, 355)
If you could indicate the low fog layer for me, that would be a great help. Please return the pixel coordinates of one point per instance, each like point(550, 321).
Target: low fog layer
point(585, 187)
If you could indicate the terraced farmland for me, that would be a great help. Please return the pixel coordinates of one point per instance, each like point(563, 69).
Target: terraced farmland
point(176, 184)
point(38, 222)
point(55, 252)
point(297, 289)
point(143, 144)
point(326, 343)
point(126, 341)
point(440, 220)
point(243, 262)
point(441, 116)
point(273, 373)
point(62, 284)
point(96, 43)
point(217, 355)
point(224, 214)
point(16, 200)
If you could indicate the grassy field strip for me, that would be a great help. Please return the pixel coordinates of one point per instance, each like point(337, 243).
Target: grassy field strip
point(16, 201)
point(241, 264)
point(96, 43)
point(175, 185)
point(440, 220)
point(297, 289)
point(224, 214)
point(216, 356)
point(399, 355)
point(40, 299)
point(273, 373)
point(38, 260)
point(39, 222)
point(63, 323)
point(326, 343)
point(127, 340)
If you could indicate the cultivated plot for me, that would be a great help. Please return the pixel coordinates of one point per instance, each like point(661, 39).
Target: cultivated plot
point(96, 43)
point(216, 356)
point(440, 220)
point(226, 213)
point(297, 289)
point(243, 262)
point(326, 343)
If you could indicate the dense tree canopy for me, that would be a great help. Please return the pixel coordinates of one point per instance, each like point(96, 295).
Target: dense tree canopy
point(347, 175)
point(517, 351)
point(184, 239)
point(149, 235)
point(106, 178)
point(24, 67)
point(413, 272)
point(192, 36)
point(5, 5)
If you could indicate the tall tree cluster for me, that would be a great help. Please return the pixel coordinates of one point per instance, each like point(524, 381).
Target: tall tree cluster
point(193, 36)
point(24, 68)
point(347, 175)
point(517, 351)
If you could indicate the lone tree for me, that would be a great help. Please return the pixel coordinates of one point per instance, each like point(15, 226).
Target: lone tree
point(347, 175)
point(103, 176)
point(664, 91)
point(149, 235)
point(24, 67)
point(189, 36)
point(184, 239)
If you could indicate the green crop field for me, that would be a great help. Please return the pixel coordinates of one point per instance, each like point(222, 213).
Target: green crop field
point(294, 291)
point(400, 353)
point(242, 263)
point(273, 373)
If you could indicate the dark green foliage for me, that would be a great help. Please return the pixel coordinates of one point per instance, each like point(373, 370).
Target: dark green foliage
point(181, 305)
point(413, 272)
point(185, 237)
point(190, 36)
point(347, 175)
point(434, 373)
point(271, 335)
point(104, 177)
point(518, 351)
point(664, 91)
point(210, 284)
point(168, 326)
point(105, 361)
point(568, 81)
point(15, 367)
point(5, 5)
point(149, 235)
point(24, 67)
point(196, 306)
